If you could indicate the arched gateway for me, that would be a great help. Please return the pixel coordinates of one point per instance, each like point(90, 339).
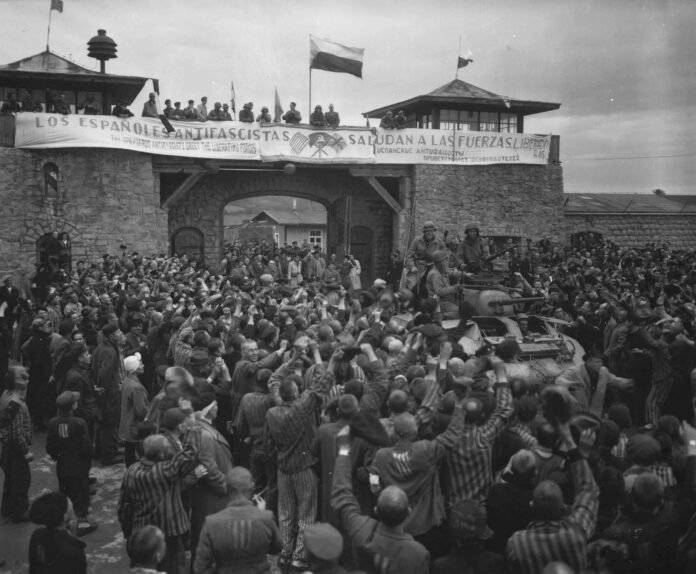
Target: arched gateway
point(196, 201)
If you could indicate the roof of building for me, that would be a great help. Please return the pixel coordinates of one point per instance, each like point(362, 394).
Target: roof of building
point(292, 217)
point(49, 70)
point(628, 203)
point(464, 95)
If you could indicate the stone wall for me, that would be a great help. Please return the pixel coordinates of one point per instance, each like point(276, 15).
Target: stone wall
point(511, 200)
point(104, 199)
point(635, 230)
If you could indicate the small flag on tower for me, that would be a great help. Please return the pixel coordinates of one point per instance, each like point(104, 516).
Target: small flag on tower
point(278, 111)
point(57, 5)
point(463, 62)
point(333, 57)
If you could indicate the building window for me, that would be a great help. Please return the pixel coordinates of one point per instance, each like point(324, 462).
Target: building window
point(508, 123)
point(426, 121)
point(488, 122)
point(50, 174)
point(315, 237)
point(463, 120)
point(188, 241)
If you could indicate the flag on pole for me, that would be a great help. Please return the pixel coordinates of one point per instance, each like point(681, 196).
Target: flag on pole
point(333, 57)
point(158, 105)
point(278, 111)
point(233, 97)
point(57, 5)
point(465, 61)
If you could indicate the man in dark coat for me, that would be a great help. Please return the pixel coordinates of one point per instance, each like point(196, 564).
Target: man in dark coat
point(36, 356)
point(68, 443)
point(107, 373)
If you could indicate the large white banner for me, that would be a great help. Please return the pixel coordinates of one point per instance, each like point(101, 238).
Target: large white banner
point(459, 147)
point(213, 140)
point(276, 142)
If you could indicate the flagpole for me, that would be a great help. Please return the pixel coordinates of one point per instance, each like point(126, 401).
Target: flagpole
point(310, 94)
point(459, 53)
point(48, 32)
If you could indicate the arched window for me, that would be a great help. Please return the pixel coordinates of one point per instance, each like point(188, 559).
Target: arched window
point(50, 174)
point(188, 241)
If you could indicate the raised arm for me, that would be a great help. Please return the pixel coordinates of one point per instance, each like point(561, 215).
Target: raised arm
point(586, 503)
point(503, 404)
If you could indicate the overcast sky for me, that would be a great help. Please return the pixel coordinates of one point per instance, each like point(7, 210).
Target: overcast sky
point(623, 70)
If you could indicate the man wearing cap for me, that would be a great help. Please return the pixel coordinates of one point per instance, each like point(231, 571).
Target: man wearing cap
point(438, 285)
point(472, 250)
point(216, 114)
point(134, 407)
point(15, 441)
point(381, 542)
point(423, 248)
point(468, 531)
point(292, 116)
point(323, 548)
point(68, 442)
point(108, 373)
point(189, 112)
point(238, 538)
point(264, 116)
point(555, 535)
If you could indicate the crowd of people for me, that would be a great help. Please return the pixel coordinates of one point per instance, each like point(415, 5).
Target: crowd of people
point(191, 112)
point(272, 405)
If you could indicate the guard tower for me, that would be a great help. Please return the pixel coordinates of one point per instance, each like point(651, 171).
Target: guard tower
point(462, 106)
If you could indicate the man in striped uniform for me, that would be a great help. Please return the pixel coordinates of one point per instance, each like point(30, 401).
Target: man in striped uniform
point(250, 422)
point(289, 433)
point(470, 461)
point(150, 493)
point(554, 537)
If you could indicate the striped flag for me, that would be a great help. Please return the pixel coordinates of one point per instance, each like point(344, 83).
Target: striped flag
point(333, 57)
point(233, 97)
point(465, 61)
point(278, 111)
point(57, 5)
